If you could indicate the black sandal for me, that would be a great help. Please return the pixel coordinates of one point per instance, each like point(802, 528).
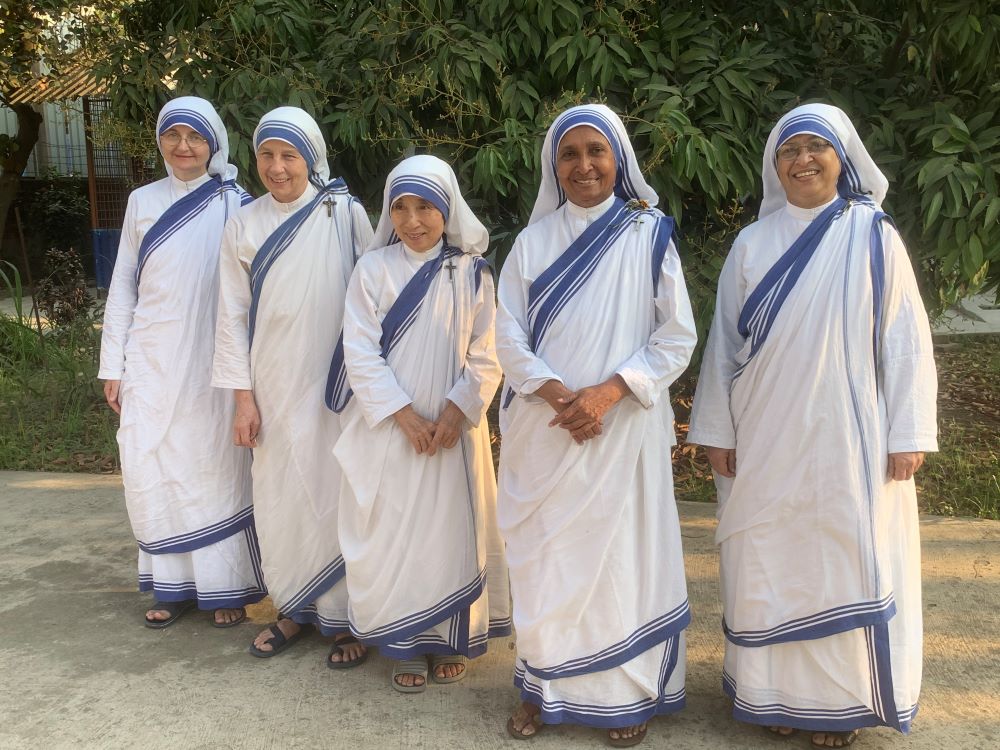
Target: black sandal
point(337, 648)
point(279, 642)
point(175, 609)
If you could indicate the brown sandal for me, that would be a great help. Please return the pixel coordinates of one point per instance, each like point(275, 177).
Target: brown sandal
point(518, 734)
point(632, 741)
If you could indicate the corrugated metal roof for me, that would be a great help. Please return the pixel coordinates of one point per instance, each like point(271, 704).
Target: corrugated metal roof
point(74, 83)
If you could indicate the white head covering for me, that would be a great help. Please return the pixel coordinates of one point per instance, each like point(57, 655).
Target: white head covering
point(859, 176)
point(297, 128)
point(629, 182)
point(200, 115)
point(432, 179)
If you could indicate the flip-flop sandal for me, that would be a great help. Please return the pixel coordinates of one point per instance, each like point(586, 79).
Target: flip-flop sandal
point(338, 648)
point(846, 739)
point(535, 721)
point(231, 623)
point(176, 609)
point(279, 642)
point(632, 741)
point(416, 667)
point(439, 661)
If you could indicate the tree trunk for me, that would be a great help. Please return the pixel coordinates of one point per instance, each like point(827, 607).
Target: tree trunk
point(28, 124)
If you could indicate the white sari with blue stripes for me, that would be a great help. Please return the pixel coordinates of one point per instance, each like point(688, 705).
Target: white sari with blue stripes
point(593, 537)
point(425, 562)
point(284, 272)
point(815, 371)
point(187, 487)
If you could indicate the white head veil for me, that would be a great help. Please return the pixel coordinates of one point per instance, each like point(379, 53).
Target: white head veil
point(859, 176)
point(432, 179)
point(629, 182)
point(200, 115)
point(297, 128)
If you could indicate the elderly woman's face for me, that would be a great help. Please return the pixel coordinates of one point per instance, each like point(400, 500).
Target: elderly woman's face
point(282, 169)
point(585, 166)
point(186, 151)
point(418, 222)
point(808, 169)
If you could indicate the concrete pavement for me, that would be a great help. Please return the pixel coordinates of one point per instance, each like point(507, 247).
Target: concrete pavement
point(80, 671)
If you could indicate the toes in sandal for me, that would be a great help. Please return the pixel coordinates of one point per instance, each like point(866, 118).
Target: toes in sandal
point(440, 661)
point(840, 739)
point(518, 734)
point(416, 667)
point(231, 623)
point(279, 642)
point(338, 648)
point(775, 731)
point(175, 609)
point(632, 741)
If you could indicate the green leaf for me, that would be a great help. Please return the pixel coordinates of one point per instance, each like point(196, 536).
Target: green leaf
point(937, 200)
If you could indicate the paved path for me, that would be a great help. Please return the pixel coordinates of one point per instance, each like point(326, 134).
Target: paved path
point(79, 670)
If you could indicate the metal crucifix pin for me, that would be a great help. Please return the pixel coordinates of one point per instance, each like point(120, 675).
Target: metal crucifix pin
point(451, 270)
point(329, 203)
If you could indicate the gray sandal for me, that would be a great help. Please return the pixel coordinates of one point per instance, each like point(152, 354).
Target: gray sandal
point(416, 667)
point(440, 661)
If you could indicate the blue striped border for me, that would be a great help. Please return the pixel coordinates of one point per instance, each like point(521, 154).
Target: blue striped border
point(642, 639)
point(418, 622)
point(320, 583)
point(184, 590)
point(202, 537)
point(819, 625)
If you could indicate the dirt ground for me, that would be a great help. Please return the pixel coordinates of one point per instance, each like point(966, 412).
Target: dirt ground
point(80, 671)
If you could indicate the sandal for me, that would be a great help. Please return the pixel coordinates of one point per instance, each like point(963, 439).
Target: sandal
point(416, 667)
point(231, 623)
point(440, 661)
point(175, 609)
point(775, 731)
point(632, 741)
point(345, 639)
point(535, 720)
point(844, 738)
point(279, 642)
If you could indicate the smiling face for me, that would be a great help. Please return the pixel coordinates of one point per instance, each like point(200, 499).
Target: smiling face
point(417, 221)
point(282, 169)
point(185, 151)
point(810, 178)
point(585, 166)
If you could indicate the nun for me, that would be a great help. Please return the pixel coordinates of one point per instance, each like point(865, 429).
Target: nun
point(816, 404)
point(594, 324)
point(187, 488)
point(286, 260)
point(426, 574)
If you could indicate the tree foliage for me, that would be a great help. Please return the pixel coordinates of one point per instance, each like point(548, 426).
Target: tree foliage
point(49, 33)
point(698, 84)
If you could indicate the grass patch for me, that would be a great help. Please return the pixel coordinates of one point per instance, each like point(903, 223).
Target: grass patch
point(52, 411)
point(963, 478)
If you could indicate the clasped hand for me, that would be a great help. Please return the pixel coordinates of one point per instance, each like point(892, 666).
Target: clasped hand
point(582, 412)
point(426, 436)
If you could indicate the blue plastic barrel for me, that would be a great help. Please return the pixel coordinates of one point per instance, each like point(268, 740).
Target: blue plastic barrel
point(105, 244)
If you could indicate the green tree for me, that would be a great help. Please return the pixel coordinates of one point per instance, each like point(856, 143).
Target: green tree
point(698, 84)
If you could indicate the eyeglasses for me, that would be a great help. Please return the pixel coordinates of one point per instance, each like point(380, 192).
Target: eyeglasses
point(790, 153)
point(173, 138)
